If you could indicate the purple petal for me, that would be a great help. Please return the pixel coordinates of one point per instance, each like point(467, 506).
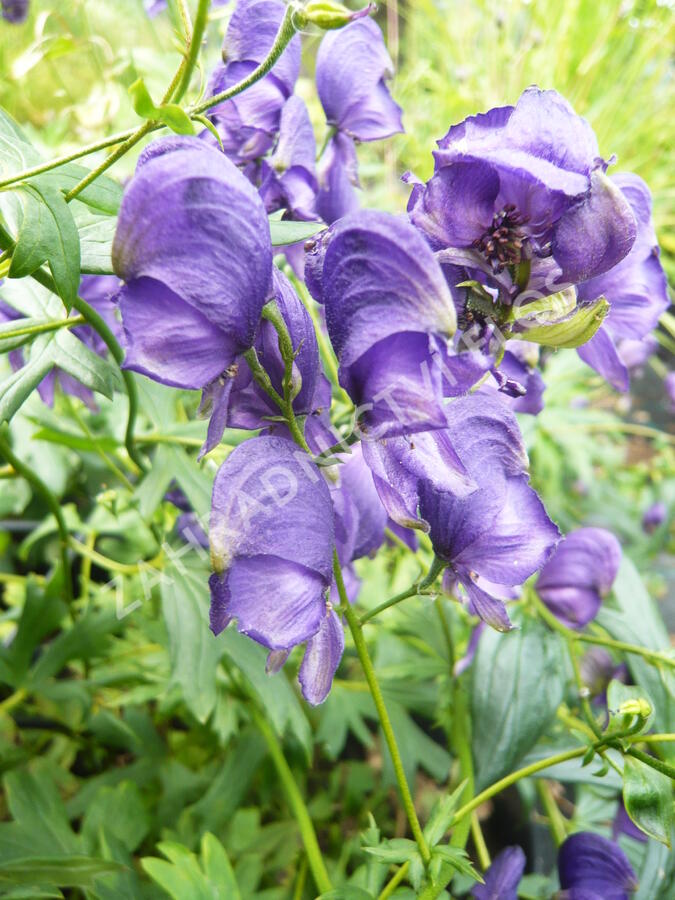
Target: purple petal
point(579, 574)
point(356, 479)
point(170, 340)
point(503, 876)
point(596, 234)
point(601, 354)
point(322, 657)
point(338, 177)
point(270, 499)
point(490, 609)
point(276, 602)
point(250, 34)
point(590, 862)
point(14, 11)
point(191, 221)
point(352, 64)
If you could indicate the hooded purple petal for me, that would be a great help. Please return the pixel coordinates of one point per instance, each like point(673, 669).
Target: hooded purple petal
point(379, 280)
point(193, 241)
point(352, 66)
point(288, 178)
point(579, 574)
point(322, 657)
point(371, 519)
point(250, 34)
point(591, 865)
point(503, 876)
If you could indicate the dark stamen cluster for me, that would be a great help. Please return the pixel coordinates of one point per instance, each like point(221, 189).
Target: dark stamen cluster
point(502, 243)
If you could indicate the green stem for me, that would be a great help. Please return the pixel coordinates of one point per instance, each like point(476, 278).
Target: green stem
point(479, 842)
point(194, 46)
point(657, 764)
point(42, 328)
point(54, 507)
point(410, 592)
point(378, 700)
point(556, 821)
point(653, 655)
point(296, 802)
point(283, 37)
point(396, 879)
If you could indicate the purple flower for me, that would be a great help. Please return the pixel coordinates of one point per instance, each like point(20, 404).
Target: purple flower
point(503, 876)
point(580, 573)
point(14, 11)
point(500, 531)
point(272, 538)
point(234, 399)
point(288, 176)
point(369, 515)
point(623, 824)
point(352, 69)
point(388, 309)
point(636, 289)
point(524, 185)
point(654, 516)
point(193, 248)
point(248, 123)
point(518, 378)
point(591, 867)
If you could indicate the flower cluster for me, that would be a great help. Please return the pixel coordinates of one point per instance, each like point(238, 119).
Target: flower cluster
point(434, 318)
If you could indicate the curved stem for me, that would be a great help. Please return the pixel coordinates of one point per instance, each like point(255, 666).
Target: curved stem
point(411, 592)
point(652, 655)
point(42, 328)
point(378, 700)
point(54, 507)
point(296, 802)
point(396, 879)
point(194, 46)
point(657, 764)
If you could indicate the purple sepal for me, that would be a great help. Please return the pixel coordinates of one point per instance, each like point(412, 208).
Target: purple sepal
point(338, 176)
point(591, 866)
point(321, 659)
point(503, 876)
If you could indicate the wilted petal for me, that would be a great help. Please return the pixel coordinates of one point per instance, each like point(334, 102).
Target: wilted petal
point(579, 574)
point(592, 863)
point(322, 657)
point(352, 64)
point(503, 876)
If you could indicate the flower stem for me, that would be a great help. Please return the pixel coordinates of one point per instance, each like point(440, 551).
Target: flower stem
point(378, 700)
point(296, 802)
point(648, 760)
point(652, 655)
point(54, 507)
point(557, 825)
point(396, 879)
point(42, 328)
point(193, 48)
point(392, 601)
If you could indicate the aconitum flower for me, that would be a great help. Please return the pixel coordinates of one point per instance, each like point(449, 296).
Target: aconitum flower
point(636, 288)
point(235, 400)
point(519, 199)
point(654, 516)
point(388, 312)
point(288, 176)
point(352, 69)
point(503, 876)
point(500, 531)
point(272, 538)
point(369, 516)
point(14, 11)
point(193, 248)
point(591, 867)
point(248, 123)
point(580, 573)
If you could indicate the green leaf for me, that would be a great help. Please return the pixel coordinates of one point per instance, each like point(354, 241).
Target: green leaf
point(42, 611)
point(578, 329)
point(172, 115)
point(459, 861)
point(648, 798)
point(39, 814)
point(96, 237)
point(78, 442)
point(286, 232)
point(347, 892)
point(193, 480)
point(217, 867)
point(65, 871)
point(121, 812)
point(182, 876)
point(74, 357)
point(48, 234)
point(442, 814)
point(512, 704)
point(193, 649)
point(397, 850)
point(9, 342)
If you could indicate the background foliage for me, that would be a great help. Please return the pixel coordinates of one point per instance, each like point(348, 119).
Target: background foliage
point(128, 736)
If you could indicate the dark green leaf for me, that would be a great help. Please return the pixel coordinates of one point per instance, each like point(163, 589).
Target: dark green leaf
point(397, 850)
point(172, 115)
point(121, 812)
point(76, 441)
point(48, 234)
point(65, 871)
point(517, 685)
point(648, 798)
point(96, 237)
point(442, 814)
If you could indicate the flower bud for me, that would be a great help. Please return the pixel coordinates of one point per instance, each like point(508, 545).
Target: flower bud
point(637, 707)
point(328, 14)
